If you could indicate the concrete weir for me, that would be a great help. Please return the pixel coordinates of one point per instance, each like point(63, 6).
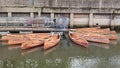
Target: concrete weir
point(80, 12)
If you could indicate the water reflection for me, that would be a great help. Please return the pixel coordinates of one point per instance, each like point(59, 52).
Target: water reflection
point(65, 55)
point(31, 50)
point(28, 63)
point(106, 46)
point(53, 62)
point(46, 52)
point(114, 42)
point(4, 43)
point(64, 41)
point(115, 61)
point(13, 47)
point(83, 62)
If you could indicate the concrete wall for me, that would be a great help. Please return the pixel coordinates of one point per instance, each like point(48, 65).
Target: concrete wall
point(103, 12)
point(63, 3)
point(81, 19)
point(102, 19)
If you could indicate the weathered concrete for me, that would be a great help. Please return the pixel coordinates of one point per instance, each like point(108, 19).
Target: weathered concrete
point(71, 20)
point(23, 32)
point(99, 11)
point(9, 14)
point(62, 3)
point(39, 13)
point(52, 15)
point(32, 15)
point(91, 20)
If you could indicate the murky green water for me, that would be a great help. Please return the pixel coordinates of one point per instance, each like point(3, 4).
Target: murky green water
point(65, 55)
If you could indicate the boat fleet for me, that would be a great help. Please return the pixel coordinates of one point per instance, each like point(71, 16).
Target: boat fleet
point(80, 36)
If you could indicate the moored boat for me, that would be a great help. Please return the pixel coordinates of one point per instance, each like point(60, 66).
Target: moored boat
point(113, 32)
point(17, 40)
point(78, 40)
point(10, 36)
point(4, 38)
point(91, 28)
point(92, 37)
point(112, 36)
point(31, 43)
point(52, 41)
point(95, 31)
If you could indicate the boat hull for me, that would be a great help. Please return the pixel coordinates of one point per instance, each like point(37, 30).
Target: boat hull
point(78, 40)
point(52, 41)
point(31, 44)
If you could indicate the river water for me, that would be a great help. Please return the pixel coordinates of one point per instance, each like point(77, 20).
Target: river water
point(65, 55)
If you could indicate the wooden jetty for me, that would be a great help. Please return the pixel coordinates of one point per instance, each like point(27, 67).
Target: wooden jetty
point(28, 30)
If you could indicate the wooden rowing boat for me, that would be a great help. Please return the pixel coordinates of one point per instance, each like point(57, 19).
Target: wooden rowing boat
point(92, 37)
point(35, 40)
point(10, 36)
point(78, 40)
point(18, 40)
point(35, 35)
point(91, 28)
point(39, 37)
point(113, 32)
point(112, 36)
point(52, 41)
point(31, 43)
point(97, 31)
point(24, 38)
point(4, 38)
